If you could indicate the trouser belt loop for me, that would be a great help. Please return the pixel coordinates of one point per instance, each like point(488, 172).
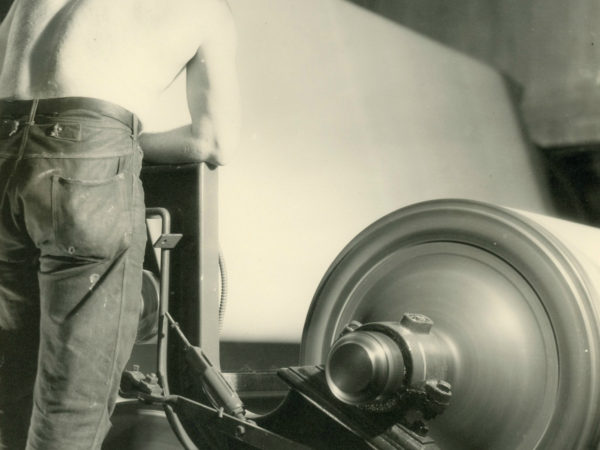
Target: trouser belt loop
point(28, 124)
point(135, 126)
point(33, 111)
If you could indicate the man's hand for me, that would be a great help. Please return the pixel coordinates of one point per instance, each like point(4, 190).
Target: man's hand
point(204, 144)
point(183, 145)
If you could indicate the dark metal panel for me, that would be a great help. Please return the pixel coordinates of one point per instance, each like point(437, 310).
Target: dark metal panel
point(190, 193)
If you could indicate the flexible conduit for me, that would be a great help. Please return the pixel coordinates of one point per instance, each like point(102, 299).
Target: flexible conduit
point(224, 290)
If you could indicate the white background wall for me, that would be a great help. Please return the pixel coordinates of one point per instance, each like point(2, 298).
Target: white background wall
point(346, 117)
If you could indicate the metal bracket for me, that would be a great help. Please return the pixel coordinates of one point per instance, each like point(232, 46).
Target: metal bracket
point(134, 383)
point(381, 431)
point(167, 241)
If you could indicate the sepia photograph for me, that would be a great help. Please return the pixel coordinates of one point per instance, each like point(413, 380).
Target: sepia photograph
point(299, 224)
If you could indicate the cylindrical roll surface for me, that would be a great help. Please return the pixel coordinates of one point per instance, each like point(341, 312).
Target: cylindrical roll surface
point(514, 297)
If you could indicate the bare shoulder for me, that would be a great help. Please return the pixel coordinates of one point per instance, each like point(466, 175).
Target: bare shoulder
point(205, 17)
point(215, 17)
point(217, 9)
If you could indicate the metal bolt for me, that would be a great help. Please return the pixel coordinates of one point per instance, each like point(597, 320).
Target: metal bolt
point(439, 391)
point(240, 430)
point(56, 129)
point(422, 429)
point(417, 323)
point(15, 127)
point(444, 386)
point(351, 327)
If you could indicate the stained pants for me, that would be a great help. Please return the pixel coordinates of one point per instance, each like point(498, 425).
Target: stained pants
point(72, 237)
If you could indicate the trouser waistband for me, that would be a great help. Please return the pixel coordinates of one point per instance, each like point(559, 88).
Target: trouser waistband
point(55, 106)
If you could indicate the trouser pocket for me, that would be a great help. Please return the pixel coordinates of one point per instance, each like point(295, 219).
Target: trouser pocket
point(92, 218)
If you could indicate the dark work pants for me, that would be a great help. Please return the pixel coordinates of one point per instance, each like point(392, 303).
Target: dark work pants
point(72, 237)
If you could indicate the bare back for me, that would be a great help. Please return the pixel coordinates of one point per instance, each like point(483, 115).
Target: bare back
point(127, 53)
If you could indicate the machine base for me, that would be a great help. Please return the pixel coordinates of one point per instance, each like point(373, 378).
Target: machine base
point(376, 430)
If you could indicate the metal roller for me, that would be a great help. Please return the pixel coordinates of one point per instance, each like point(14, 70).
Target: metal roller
point(513, 299)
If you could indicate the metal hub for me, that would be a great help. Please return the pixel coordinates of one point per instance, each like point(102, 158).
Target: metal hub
point(506, 302)
point(364, 366)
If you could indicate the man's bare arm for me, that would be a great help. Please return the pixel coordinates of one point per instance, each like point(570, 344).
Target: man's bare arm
point(213, 102)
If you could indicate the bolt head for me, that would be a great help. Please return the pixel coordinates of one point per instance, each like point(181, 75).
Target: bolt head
point(417, 323)
point(439, 391)
point(351, 327)
point(240, 430)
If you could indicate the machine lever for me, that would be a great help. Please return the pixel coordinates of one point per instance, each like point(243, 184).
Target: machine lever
point(218, 388)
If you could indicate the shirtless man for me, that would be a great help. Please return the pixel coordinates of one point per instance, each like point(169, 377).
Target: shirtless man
point(74, 77)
